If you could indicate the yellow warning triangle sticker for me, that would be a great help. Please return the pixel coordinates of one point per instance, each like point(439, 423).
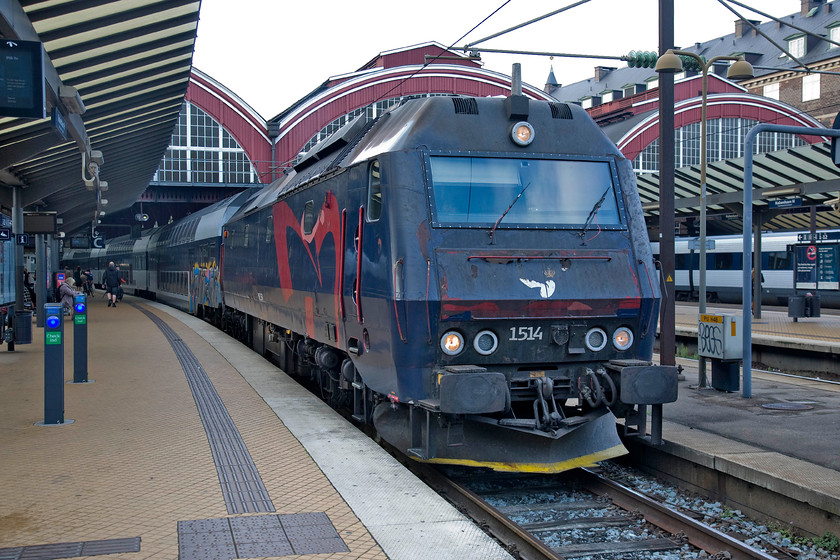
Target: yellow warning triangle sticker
point(669, 279)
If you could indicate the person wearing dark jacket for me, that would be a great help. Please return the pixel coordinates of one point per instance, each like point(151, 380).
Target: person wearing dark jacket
point(111, 279)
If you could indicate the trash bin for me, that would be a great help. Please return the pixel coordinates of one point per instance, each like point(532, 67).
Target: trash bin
point(812, 305)
point(796, 306)
point(23, 327)
point(726, 374)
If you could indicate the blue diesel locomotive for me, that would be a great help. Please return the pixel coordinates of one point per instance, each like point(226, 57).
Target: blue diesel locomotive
point(472, 276)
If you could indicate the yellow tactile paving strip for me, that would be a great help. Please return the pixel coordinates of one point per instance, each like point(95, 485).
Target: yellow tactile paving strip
point(136, 459)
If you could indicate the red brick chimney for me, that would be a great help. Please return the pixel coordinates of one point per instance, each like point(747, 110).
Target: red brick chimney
point(742, 27)
point(808, 5)
point(601, 72)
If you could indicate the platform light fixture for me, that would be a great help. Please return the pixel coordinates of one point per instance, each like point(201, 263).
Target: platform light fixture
point(740, 69)
point(780, 191)
point(71, 99)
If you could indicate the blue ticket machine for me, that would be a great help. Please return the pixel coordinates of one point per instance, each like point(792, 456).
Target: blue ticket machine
point(53, 363)
point(80, 339)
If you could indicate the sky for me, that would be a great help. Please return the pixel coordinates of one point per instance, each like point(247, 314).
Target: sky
point(272, 53)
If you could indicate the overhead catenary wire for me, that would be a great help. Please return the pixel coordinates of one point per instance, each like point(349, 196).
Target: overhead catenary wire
point(760, 32)
point(521, 25)
point(449, 48)
point(787, 23)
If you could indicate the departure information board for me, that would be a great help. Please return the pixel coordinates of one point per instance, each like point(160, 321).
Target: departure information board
point(22, 79)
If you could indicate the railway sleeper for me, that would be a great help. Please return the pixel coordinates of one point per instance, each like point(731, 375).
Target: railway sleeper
point(592, 549)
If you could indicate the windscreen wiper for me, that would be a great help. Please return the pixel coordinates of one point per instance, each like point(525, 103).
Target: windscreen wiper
point(493, 231)
point(594, 211)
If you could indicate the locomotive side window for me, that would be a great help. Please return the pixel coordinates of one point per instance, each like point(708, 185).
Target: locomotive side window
point(374, 205)
point(308, 217)
point(478, 192)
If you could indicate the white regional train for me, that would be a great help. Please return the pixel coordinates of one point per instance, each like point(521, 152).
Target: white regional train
point(724, 269)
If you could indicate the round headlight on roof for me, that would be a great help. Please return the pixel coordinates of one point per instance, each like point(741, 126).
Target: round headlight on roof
point(522, 133)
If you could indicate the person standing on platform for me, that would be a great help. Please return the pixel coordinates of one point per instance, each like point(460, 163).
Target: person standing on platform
point(68, 294)
point(111, 279)
point(29, 287)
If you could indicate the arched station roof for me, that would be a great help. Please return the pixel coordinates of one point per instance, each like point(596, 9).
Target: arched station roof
point(234, 115)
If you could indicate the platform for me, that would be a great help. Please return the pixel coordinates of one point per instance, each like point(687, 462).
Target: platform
point(785, 437)
point(774, 327)
point(188, 445)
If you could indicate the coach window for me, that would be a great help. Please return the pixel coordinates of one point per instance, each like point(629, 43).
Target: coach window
point(374, 193)
point(308, 217)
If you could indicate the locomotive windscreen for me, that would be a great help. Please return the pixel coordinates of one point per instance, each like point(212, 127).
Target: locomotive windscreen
point(540, 192)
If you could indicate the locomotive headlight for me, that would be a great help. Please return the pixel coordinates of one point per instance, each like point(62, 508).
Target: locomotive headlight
point(522, 133)
point(622, 338)
point(452, 343)
point(595, 339)
point(486, 342)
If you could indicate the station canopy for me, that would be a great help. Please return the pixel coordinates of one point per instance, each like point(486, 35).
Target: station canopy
point(787, 184)
point(116, 74)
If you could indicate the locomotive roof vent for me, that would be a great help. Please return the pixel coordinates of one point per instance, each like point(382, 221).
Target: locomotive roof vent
point(465, 105)
point(560, 111)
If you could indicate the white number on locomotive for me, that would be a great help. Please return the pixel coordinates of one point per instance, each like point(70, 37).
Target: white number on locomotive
point(526, 333)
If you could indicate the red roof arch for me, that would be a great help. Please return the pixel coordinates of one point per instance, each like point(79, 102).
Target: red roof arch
point(718, 106)
point(246, 126)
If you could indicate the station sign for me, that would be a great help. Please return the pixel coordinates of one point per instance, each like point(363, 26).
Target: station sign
point(694, 244)
point(818, 236)
point(790, 202)
point(817, 266)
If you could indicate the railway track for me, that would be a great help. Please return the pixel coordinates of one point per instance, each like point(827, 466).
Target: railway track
point(582, 514)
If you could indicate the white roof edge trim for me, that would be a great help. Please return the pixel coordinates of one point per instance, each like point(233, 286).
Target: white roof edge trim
point(227, 91)
point(260, 131)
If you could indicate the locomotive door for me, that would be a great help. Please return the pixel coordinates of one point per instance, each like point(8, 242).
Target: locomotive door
point(357, 252)
point(352, 226)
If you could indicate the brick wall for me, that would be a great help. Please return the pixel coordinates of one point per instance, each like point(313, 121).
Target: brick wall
point(824, 109)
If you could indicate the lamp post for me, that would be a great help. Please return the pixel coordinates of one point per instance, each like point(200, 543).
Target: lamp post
point(740, 69)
